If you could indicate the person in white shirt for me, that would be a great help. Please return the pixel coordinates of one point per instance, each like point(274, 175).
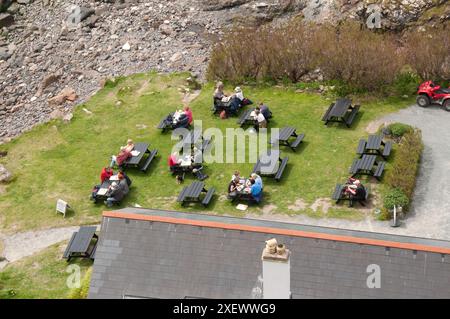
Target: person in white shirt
point(259, 118)
point(239, 94)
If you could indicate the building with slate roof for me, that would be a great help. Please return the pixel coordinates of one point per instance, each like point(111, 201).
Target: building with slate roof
point(145, 253)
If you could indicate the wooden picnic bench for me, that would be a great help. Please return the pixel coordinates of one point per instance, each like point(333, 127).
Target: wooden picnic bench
point(285, 134)
point(80, 244)
point(271, 165)
point(139, 161)
point(374, 146)
point(339, 195)
point(365, 165)
point(341, 111)
point(192, 193)
point(245, 118)
point(164, 125)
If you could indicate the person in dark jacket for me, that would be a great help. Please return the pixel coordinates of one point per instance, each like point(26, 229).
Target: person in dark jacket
point(117, 192)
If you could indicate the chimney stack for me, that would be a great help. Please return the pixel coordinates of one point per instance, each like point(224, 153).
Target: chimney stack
point(276, 271)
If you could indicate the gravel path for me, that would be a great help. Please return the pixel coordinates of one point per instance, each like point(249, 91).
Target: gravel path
point(430, 211)
point(21, 245)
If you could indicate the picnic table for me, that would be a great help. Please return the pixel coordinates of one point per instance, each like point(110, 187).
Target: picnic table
point(164, 125)
point(246, 118)
point(374, 145)
point(192, 193)
point(285, 134)
point(341, 111)
point(367, 165)
point(80, 243)
point(339, 195)
point(270, 164)
point(137, 161)
point(242, 193)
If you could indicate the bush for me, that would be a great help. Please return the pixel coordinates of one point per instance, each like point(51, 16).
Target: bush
point(395, 197)
point(399, 129)
point(429, 54)
point(358, 58)
point(82, 292)
point(402, 174)
point(405, 83)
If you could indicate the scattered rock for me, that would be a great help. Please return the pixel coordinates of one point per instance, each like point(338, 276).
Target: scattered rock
point(67, 94)
point(126, 47)
point(5, 175)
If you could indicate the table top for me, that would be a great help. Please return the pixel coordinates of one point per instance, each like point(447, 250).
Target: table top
point(186, 161)
point(195, 189)
point(374, 142)
point(269, 162)
point(82, 239)
point(366, 162)
point(141, 148)
point(340, 107)
point(286, 133)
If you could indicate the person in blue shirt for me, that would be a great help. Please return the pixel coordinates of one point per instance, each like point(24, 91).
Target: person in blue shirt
point(256, 190)
point(257, 179)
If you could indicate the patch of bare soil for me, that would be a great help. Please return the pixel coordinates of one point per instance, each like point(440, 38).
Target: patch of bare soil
point(323, 203)
point(190, 96)
point(299, 204)
point(373, 126)
point(268, 209)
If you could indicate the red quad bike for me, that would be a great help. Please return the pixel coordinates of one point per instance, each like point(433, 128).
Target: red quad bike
point(430, 93)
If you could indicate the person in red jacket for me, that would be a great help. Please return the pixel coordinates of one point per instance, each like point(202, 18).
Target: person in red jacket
point(106, 173)
point(188, 112)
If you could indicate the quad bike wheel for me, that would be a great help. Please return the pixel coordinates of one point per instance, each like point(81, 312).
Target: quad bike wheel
point(446, 105)
point(423, 100)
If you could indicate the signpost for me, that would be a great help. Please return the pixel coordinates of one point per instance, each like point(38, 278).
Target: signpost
point(61, 207)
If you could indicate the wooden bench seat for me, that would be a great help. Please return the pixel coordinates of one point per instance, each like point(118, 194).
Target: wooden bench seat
point(67, 252)
point(361, 147)
point(149, 159)
point(349, 120)
point(325, 117)
point(387, 149)
point(182, 195)
point(379, 170)
point(208, 196)
point(297, 141)
point(244, 117)
point(281, 168)
point(337, 193)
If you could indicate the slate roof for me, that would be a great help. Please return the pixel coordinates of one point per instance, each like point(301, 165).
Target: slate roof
point(165, 254)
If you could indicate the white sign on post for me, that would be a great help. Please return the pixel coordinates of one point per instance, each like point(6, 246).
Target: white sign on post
point(61, 207)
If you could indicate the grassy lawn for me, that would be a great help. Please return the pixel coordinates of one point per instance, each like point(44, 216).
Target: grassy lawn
point(59, 160)
point(39, 276)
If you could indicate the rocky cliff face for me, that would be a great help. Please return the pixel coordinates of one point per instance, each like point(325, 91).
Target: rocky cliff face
point(55, 54)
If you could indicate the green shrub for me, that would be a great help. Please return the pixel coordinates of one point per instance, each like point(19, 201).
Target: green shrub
point(82, 292)
point(395, 197)
point(399, 129)
point(384, 214)
point(403, 172)
point(405, 83)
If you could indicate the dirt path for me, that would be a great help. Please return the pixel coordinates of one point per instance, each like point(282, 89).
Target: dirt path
point(21, 245)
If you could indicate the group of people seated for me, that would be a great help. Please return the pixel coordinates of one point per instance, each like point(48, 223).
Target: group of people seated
point(124, 154)
point(354, 190)
point(192, 162)
point(181, 118)
point(252, 187)
point(229, 103)
point(116, 191)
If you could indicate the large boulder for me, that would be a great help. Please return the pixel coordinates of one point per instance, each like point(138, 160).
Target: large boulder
point(6, 20)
